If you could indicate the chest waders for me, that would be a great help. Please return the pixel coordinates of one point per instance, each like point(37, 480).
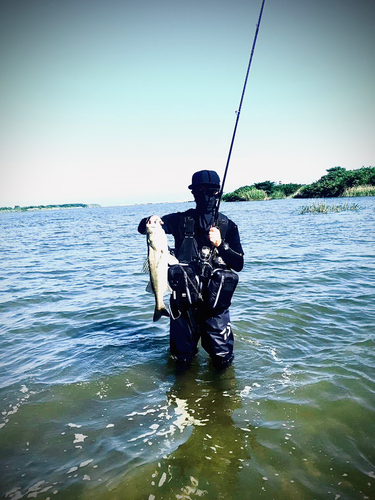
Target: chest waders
point(200, 300)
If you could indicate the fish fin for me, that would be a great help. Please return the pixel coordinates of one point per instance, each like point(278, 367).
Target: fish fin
point(149, 287)
point(158, 313)
point(146, 266)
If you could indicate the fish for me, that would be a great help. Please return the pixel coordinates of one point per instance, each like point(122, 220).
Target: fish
point(158, 259)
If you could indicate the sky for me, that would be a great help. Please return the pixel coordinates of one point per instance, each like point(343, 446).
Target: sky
point(120, 102)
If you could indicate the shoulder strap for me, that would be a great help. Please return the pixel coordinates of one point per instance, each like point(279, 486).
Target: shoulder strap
point(189, 227)
point(189, 249)
point(223, 225)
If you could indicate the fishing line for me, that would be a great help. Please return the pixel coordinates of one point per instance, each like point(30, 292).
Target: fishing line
point(238, 112)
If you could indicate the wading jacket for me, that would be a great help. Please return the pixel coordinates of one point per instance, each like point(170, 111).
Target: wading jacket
point(230, 250)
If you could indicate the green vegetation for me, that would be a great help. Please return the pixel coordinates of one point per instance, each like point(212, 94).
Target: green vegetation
point(245, 193)
point(337, 182)
point(262, 191)
point(277, 191)
point(360, 191)
point(323, 208)
point(17, 208)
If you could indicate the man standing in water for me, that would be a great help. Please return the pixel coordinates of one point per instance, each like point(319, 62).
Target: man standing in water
point(203, 282)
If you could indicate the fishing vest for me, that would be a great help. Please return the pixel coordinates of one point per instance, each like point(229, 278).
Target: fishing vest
point(196, 281)
point(189, 248)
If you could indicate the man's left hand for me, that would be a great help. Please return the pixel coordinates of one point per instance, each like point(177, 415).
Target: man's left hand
point(214, 235)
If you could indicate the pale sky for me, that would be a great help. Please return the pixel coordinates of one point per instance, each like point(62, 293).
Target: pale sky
point(119, 102)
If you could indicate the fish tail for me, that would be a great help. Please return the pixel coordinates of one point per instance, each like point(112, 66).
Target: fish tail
point(158, 313)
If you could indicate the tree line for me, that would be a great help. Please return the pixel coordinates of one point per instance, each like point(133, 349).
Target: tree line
point(17, 208)
point(337, 182)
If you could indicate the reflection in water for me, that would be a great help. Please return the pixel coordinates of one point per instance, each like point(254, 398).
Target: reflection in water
point(209, 460)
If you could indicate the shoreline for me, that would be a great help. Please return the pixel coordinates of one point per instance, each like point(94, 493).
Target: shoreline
point(38, 208)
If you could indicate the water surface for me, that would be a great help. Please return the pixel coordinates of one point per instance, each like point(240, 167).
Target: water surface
point(93, 409)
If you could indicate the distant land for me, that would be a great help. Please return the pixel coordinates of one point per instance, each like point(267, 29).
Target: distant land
point(338, 182)
point(33, 208)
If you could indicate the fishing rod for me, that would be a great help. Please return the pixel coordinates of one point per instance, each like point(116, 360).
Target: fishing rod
point(238, 112)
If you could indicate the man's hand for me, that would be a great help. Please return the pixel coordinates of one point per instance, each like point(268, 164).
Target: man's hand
point(214, 235)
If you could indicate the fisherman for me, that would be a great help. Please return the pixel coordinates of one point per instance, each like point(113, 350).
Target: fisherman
point(208, 251)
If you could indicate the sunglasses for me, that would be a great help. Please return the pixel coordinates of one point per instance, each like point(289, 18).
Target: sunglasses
point(210, 191)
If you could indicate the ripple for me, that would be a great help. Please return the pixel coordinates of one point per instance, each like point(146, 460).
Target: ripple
point(90, 397)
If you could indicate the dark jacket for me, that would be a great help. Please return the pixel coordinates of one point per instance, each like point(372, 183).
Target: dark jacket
point(175, 224)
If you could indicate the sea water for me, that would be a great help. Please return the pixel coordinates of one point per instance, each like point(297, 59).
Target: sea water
point(92, 407)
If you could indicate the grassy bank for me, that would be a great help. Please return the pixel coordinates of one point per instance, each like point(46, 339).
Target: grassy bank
point(360, 191)
point(337, 182)
point(262, 191)
point(246, 193)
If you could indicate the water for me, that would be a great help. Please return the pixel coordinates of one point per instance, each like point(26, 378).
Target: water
point(91, 405)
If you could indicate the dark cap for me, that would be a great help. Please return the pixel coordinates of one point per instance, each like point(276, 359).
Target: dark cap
point(208, 177)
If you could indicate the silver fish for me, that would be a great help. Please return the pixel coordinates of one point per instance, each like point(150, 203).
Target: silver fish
point(157, 262)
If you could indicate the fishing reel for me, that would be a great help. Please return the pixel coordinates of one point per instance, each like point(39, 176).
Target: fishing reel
point(205, 262)
point(205, 254)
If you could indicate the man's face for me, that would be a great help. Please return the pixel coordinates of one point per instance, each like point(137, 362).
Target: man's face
point(205, 196)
